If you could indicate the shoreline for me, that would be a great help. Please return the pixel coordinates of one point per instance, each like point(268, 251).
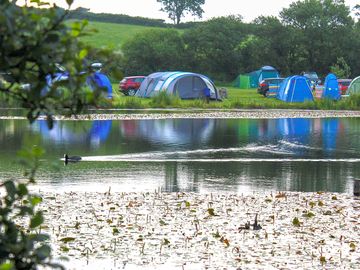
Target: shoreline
point(199, 114)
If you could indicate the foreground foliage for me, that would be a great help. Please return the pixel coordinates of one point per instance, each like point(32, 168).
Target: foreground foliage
point(34, 42)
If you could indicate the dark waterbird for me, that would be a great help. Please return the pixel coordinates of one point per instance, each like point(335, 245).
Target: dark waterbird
point(68, 159)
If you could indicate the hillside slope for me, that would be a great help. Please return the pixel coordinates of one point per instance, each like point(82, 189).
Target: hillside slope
point(112, 34)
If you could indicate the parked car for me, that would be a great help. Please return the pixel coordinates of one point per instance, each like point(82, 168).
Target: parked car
point(269, 86)
point(129, 85)
point(343, 85)
point(312, 77)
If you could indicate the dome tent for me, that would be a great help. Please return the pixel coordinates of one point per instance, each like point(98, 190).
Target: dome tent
point(186, 85)
point(354, 87)
point(331, 88)
point(295, 89)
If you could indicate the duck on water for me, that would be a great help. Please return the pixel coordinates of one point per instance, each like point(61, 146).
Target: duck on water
point(68, 159)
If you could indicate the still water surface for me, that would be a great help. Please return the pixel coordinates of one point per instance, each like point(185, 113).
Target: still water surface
point(199, 155)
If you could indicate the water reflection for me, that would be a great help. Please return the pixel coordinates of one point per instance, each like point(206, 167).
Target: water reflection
point(198, 155)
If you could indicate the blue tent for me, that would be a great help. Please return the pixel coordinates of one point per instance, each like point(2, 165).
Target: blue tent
point(295, 89)
point(100, 80)
point(331, 88)
point(186, 85)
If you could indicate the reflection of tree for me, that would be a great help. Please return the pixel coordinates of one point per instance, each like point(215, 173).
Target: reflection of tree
point(178, 177)
point(171, 175)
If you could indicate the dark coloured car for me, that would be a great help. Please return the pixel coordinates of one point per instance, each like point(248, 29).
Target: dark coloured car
point(269, 86)
point(343, 85)
point(129, 85)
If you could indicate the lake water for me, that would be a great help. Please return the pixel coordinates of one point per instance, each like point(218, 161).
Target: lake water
point(198, 155)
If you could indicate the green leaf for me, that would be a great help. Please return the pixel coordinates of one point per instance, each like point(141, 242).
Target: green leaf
point(67, 239)
point(166, 241)
point(38, 237)
point(36, 200)
point(22, 190)
point(187, 204)
point(10, 188)
point(36, 220)
point(162, 223)
point(296, 222)
point(43, 252)
point(309, 214)
point(83, 53)
point(6, 266)
point(211, 211)
point(69, 2)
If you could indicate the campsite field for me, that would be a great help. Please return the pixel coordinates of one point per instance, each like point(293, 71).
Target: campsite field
point(237, 99)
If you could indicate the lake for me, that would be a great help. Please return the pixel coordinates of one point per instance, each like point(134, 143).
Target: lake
point(192, 155)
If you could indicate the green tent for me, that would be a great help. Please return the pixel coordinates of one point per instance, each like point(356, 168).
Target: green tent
point(242, 81)
point(252, 79)
point(354, 87)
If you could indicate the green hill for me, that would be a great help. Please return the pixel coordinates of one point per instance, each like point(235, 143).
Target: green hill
point(112, 34)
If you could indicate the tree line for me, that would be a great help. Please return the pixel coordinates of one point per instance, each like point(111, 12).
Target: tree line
point(316, 35)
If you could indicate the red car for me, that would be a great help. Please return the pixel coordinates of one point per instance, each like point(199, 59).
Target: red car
point(343, 85)
point(129, 85)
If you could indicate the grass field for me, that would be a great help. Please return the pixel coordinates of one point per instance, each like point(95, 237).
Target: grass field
point(112, 34)
point(237, 99)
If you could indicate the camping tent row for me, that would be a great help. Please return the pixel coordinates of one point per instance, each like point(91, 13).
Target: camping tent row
point(354, 87)
point(252, 79)
point(186, 85)
point(297, 89)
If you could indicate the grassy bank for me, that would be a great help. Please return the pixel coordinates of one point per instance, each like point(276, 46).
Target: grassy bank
point(237, 99)
point(112, 34)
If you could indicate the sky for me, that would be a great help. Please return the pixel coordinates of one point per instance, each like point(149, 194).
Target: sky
point(249, 10)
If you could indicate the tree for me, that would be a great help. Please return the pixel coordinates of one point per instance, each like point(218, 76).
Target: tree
point(176, 9)
point(341, 69)
point(153, 50)
point(318, 24)
point(270, 43)
point(211, 47)
point(33, 42)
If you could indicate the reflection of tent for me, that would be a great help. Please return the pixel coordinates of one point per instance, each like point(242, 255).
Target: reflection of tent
point(331, 88)
point(101, 81)
point(100, 130)
point(61, 132)
point(295, 129)
point(330, 128)
point(171, 131)
point(354, 87)
point(184, 84)
point(295, 89)
point(294, 126)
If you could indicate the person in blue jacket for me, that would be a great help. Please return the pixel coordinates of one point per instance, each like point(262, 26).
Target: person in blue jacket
point(206, 92)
